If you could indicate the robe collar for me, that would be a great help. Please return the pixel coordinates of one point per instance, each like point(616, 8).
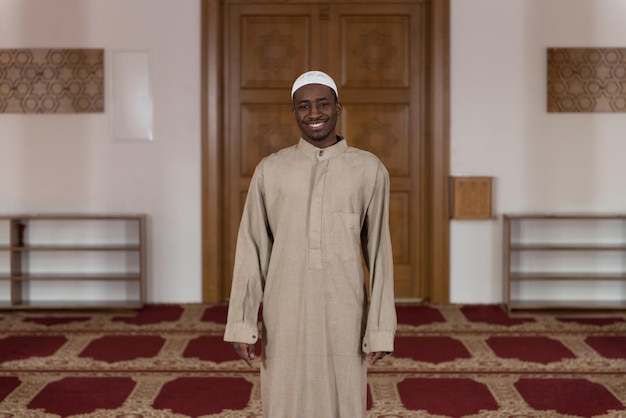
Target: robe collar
point(316, 153)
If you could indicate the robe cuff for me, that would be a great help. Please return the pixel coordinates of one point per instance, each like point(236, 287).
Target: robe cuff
point(241, 333)
point(378, 341)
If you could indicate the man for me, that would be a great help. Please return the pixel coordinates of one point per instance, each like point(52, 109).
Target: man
point(310, 211)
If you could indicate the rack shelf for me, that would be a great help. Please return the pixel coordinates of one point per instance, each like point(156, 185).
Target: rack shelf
point(555, 249)
point(567, 305)
point(50, 261)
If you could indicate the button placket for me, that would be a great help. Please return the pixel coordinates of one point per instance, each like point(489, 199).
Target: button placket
point(315, 217)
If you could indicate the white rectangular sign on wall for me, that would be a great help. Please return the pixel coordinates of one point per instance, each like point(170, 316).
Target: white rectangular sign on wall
point(132, 96)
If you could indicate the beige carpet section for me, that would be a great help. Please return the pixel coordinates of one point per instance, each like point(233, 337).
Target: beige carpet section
point(449, 361)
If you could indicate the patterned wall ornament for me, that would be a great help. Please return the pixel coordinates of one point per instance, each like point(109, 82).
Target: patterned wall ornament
point(51, 80)
point(586, 80)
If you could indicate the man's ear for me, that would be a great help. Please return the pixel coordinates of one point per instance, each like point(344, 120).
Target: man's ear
point(339, 107)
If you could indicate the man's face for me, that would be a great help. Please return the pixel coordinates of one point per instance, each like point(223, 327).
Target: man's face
point(315, 109)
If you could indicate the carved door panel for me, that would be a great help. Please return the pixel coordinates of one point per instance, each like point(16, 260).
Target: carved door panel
point(266, 47)
point(374, 54)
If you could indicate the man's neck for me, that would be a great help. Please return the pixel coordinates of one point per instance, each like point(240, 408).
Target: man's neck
point(325, 143)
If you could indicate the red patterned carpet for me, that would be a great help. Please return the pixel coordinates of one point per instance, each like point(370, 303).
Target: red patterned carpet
point(450, 361)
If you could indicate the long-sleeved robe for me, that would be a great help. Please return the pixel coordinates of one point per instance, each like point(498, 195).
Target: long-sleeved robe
point(308, 214)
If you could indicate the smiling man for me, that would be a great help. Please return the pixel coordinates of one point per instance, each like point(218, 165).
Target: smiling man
point(313, 212)
point(316, 108)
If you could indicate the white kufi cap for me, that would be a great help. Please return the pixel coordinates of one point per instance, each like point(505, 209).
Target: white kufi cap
point(313, 77)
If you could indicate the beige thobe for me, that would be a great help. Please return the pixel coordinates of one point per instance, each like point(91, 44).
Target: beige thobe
point(308, 214)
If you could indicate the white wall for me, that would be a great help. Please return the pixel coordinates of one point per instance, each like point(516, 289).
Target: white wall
point(71, 163)
point(542, 162)
point(499, 127)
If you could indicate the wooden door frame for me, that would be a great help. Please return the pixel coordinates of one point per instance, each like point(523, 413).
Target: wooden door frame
point(436, 248)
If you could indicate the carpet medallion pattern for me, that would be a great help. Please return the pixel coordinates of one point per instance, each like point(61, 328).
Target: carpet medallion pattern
point(450, 361)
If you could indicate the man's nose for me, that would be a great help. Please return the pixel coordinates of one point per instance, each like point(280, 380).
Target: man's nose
point(315, 111)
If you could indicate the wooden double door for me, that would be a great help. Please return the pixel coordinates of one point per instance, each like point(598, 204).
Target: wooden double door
point(379, 54)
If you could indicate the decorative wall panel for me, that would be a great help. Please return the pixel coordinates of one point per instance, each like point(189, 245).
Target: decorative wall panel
point(375, 51)
point(265, 128)
point(471, 197)
point(382, 129)
point(587, 80)
point(51, 80)
point(274, 50)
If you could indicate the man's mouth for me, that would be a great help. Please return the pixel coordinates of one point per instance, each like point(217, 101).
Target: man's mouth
point(315, 125)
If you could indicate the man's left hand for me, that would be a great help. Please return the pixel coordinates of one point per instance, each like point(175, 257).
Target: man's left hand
point(375, 356)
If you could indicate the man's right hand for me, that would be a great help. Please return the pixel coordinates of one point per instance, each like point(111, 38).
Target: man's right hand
point(246, 352)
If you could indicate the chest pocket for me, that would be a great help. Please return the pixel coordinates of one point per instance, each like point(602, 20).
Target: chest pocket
point(344, 236)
